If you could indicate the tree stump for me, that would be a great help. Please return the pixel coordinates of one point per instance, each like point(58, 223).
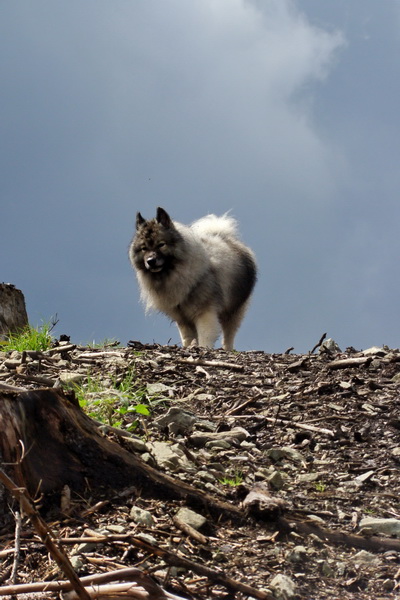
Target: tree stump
point(48, 442)
point(13, 316)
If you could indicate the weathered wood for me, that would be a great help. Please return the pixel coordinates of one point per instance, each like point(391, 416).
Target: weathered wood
point(13, 315)
point(47, 442)
point(60, 445)
point(349, 363)
point(56, 552)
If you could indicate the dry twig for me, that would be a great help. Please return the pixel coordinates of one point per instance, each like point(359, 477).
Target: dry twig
point(44, 533)
point(209, 363)
point(17, 550)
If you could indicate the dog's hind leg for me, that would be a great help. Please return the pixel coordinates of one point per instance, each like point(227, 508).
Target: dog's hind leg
point(208, 328)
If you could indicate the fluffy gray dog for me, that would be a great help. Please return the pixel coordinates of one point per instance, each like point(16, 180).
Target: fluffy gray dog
point(201, 275)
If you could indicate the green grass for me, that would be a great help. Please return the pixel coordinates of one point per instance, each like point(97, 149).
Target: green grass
point(320, 486)
point(235, 480)
point(121, 406)
point(30, 338)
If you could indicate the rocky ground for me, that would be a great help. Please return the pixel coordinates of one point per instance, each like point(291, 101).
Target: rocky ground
point(306, 446)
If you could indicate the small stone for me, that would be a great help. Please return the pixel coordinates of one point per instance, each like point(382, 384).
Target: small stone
point(388, 585)
point(283, 587)
point(205, 476)
point(366, 558)
point(277, 454)
point(248, 445)
point(364, 476)
point(150, 539)
point(326, 569)
point(341, 568)
point(330, 346)
point(70, 379)
point(119, 529)
point(148, 459)
point(177, 421)
point(63, 364)
point(316, 519)
point(216, 467)
point(309, 477)
point(85, 547)
point(235, 435)
point(191, 518)
point(170, 457)
point(76, 562)
point(210, 487)
point(345, 385)
point(136, 443)
point(298, 555)
point(371, 526)
point(141, 517)
point(374, 351)
point(12, 364)
point(220, 444)
point(276, 480)
point(154, 389)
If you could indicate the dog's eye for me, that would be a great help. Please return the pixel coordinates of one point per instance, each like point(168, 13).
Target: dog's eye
point(161, 245)
point(143, 248)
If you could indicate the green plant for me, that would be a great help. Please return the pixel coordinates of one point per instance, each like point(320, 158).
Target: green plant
point(85, 390)
point(235, 480)
point(370, 511)
point(113, 406)
point(30, 338)
point(320, 486)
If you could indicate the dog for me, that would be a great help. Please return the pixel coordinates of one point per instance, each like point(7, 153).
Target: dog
point(201, 276)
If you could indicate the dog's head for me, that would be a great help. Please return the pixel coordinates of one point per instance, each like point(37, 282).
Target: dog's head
point(152, 249)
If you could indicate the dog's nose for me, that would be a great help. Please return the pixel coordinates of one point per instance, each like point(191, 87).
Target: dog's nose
point(151, 261)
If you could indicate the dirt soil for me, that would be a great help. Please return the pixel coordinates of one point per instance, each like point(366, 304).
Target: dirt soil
point(308, 447)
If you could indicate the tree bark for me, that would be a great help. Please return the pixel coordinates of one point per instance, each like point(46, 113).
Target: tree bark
point(48, 442)
point(13, 316)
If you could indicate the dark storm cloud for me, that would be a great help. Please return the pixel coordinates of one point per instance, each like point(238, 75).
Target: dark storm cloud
point(109, 108)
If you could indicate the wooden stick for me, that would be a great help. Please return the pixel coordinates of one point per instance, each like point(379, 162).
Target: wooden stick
point(45, 535)
point(347, 363)
point(14, 571)
point(209, 363)
point(217, 576)
point(36, 379)
point(301, 426)
point(190, 531)
point(129, 574)
point(169, 557)
point(11, 388)
point(323, 336)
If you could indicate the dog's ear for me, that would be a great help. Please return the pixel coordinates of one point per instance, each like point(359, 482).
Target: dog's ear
point(139, 220)
point(163, 218)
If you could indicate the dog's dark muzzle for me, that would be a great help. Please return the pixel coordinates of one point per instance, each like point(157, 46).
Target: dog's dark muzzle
point(154, 263)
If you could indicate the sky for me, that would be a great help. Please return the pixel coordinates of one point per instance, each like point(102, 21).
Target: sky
point(283, 112)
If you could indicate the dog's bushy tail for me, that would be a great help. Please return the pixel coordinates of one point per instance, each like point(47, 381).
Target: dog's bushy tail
point(213, 225)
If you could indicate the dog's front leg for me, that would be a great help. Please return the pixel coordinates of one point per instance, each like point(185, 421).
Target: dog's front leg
point(187, 333)
point(208, 328)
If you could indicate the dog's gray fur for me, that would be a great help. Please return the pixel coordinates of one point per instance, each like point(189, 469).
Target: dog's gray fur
point(201, 276)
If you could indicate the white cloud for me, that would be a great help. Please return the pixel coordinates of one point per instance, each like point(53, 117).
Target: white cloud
point(225, 86)
point(171, 89)
point(203, 105)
